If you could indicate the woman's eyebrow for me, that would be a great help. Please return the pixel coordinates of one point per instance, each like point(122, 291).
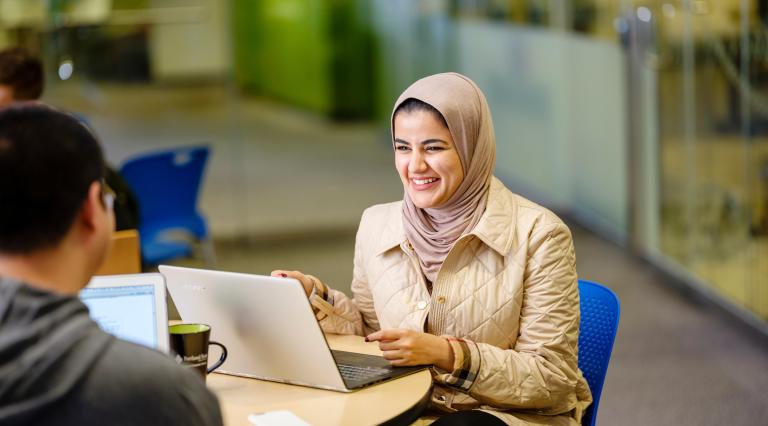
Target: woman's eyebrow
point(431, 141)
point(424, 142)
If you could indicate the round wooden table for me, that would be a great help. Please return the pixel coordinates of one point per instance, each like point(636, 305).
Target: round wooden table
point(398, 401)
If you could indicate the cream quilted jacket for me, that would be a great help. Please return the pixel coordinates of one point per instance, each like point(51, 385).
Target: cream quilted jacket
point(509, 288)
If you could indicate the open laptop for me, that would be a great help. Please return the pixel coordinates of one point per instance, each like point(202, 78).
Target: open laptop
point(270, 330)
point(131, 307)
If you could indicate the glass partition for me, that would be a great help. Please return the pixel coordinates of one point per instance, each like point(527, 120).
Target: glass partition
point(710, 62)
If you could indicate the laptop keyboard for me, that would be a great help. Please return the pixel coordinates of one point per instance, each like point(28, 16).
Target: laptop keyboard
point(356, 372)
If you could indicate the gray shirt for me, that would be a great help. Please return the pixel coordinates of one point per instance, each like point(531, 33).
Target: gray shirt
point(58, 367)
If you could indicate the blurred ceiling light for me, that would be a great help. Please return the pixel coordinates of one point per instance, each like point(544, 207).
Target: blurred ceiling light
point(644, 14)
point(669, 10)
point(65, 69)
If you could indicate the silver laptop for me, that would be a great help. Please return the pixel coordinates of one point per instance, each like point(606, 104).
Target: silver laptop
point(270, 331)
point(131, 307)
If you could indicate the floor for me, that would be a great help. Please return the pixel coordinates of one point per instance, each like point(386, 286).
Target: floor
point(285, 190)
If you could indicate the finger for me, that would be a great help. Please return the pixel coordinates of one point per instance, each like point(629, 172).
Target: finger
point(294, 274)
point(391, 334)
point(392, 355)
point(388, 345)
point(305, 280)
point(279, 273)
point(402, 362)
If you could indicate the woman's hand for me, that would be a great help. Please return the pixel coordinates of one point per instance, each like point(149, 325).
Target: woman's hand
point(407, 347)
point(307, 281)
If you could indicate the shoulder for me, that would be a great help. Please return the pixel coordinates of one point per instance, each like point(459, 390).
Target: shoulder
point(382, 219)
point(536, 217)
point(512, 220)
point(540, 227)
point(130, 362)
point(501, 196)
point(527, 214)
point(133, 380)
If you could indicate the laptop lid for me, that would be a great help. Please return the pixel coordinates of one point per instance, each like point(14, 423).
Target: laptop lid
point(131, 307)
point(266, 323)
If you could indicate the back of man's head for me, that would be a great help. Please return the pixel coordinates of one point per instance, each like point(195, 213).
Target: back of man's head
point(48, 161)
point(22, 72)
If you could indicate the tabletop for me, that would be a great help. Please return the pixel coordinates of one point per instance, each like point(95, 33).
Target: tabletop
point(397, 401)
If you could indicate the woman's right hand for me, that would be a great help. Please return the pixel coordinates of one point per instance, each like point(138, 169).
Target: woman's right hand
point(307, 281)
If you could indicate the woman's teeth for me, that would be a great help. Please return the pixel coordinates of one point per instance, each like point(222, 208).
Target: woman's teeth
point(424, 181)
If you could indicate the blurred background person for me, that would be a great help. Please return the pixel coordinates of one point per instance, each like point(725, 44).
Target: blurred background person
point(21, 76)
point(22, 80)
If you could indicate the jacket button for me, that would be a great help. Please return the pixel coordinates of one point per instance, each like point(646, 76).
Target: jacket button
point(441, 299)
point(421, 305)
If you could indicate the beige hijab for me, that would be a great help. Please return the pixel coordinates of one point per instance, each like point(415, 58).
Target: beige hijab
point(432, 232)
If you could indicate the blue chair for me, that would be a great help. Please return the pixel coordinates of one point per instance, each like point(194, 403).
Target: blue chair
point(597, 332)
point(167, 184)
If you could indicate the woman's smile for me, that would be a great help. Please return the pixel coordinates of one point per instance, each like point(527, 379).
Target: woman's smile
point(424, 184)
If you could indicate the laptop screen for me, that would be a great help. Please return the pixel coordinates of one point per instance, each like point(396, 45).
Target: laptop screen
point(127, 312)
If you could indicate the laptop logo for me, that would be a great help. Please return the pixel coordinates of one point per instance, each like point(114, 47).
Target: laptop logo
point(195, 287)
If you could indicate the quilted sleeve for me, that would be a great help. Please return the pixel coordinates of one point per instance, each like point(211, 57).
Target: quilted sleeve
point(337, 312)
point(541, 371)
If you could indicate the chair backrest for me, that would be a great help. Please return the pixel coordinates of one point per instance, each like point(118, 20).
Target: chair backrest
point(123, 257)
point(167, 183)
point(597, 332)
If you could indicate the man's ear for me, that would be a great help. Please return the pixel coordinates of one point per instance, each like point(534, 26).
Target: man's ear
point(91, 207)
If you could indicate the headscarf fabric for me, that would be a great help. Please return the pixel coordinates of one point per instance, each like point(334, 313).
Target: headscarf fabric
point(433, 231)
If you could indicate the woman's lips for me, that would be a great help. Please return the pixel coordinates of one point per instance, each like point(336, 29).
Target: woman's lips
point(423, 184)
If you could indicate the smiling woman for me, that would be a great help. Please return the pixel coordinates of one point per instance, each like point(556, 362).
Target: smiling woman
point(462, 274)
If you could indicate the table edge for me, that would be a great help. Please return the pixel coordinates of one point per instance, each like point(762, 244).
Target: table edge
point(413, 413)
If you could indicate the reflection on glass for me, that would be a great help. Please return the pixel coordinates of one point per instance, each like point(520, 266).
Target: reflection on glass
point(713, 141)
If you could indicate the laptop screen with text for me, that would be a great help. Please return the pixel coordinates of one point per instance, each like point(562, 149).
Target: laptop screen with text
point(127, 312)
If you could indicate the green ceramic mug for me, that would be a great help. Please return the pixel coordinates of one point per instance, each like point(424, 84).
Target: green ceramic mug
point(189, 343)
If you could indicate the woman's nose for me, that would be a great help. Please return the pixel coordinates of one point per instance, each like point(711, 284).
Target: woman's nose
point(417, 163)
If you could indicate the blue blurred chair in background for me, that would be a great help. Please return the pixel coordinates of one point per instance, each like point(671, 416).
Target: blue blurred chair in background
point(597, 332)
point(167, 184)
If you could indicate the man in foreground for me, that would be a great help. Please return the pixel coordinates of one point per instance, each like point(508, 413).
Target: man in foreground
point(56, 365)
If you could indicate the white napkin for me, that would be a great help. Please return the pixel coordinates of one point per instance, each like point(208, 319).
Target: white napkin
point(276, 418)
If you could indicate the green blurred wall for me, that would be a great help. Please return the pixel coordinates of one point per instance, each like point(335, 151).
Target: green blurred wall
point(311, 53)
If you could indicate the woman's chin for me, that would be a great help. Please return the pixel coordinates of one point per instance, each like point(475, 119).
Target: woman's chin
point(423, 203)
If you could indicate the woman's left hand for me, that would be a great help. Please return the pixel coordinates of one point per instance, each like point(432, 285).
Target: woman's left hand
point(403, 347)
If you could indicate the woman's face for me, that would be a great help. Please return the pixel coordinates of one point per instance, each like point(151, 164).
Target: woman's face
point(426, 158)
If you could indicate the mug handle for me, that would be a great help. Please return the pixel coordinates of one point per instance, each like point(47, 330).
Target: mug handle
point(221, 359)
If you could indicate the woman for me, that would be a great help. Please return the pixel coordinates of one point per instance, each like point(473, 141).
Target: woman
point(462, 274)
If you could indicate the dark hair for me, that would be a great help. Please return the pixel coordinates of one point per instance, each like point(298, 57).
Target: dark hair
point(23, 72)
point(48, 161)
point(413, 104)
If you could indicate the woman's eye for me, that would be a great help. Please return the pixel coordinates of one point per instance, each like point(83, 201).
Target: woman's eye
point(434, 148)
point(402, 148)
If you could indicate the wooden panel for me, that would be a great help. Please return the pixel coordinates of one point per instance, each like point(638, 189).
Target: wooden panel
point(124, 255)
